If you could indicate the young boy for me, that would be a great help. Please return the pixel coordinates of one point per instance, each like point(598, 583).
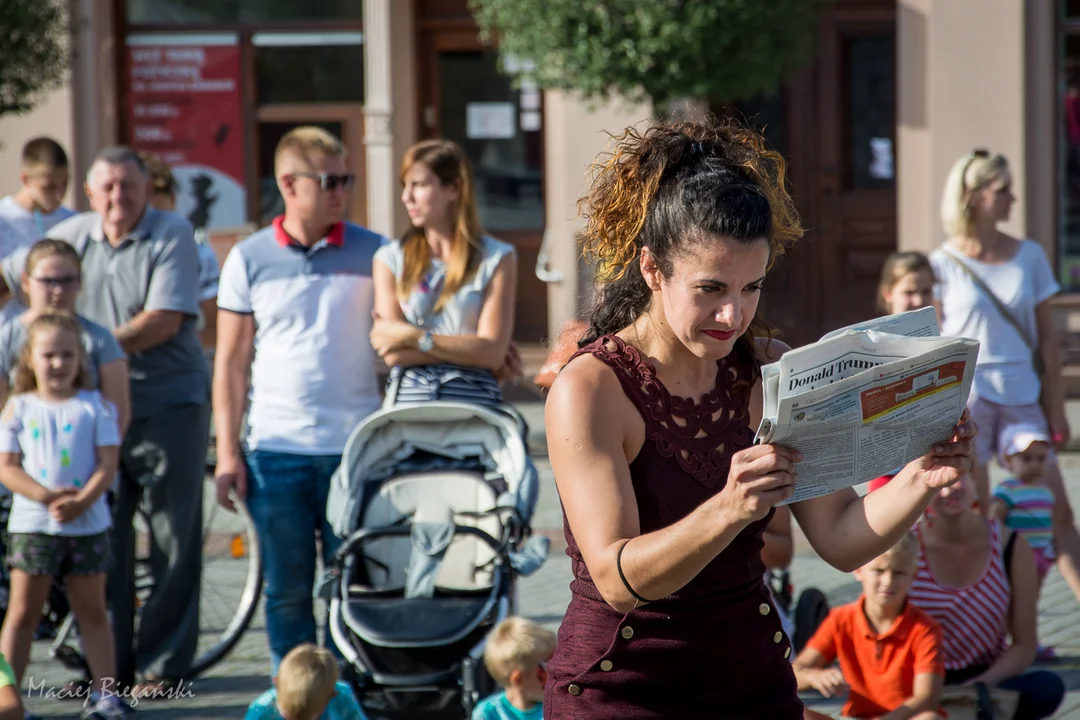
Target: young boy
point(307, 688)
point(516, 653)
point(889, 650)
point(36, 207)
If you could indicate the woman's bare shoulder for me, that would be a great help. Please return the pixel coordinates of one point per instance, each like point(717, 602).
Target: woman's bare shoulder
point(582, 377)
point(769, 350)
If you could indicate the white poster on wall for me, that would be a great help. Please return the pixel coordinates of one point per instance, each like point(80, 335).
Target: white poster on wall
point(490, 121)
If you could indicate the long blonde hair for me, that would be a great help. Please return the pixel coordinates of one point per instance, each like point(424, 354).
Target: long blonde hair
point(447, 161)
point(974, 171)
point(25, 379)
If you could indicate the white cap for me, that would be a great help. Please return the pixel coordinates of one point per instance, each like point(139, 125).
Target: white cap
point(1016, 439)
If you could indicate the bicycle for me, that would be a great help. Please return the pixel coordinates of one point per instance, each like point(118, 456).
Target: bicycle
point(230, 552)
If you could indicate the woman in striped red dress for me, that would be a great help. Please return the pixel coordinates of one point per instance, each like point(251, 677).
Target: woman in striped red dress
point(978, 582)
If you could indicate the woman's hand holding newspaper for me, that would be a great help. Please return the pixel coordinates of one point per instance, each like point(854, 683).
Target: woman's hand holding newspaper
point(948, 462)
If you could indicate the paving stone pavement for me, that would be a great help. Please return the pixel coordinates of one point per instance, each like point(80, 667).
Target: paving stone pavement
point(225, 691)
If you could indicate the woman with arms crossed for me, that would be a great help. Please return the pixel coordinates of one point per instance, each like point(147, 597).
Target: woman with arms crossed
point(649, 432)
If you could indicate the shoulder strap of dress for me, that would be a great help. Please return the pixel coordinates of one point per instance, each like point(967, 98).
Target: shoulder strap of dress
point(638, 381)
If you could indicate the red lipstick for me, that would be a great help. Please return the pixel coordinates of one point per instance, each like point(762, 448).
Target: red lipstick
point(720, 335)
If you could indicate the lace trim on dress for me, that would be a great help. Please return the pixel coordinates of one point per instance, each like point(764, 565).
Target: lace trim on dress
point(692, 432)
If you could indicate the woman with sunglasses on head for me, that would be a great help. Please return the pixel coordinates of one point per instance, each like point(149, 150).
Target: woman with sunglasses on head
point(996, 288)
point(444, 291)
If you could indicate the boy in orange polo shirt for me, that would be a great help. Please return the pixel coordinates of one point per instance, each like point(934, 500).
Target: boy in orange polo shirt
point(889, 650)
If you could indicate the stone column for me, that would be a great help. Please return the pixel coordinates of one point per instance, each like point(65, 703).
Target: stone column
point(378, 114)
point(575, 132)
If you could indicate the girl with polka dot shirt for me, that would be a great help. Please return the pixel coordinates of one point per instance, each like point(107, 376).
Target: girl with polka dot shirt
point(59, 448)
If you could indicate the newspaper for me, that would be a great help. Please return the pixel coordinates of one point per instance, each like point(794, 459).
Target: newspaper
point(866, 399)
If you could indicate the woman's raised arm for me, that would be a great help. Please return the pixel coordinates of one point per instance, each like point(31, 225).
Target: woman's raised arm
point(592, 430)
point(396, 340)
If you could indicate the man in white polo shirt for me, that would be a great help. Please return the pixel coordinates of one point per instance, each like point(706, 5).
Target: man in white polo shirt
point(297, 296)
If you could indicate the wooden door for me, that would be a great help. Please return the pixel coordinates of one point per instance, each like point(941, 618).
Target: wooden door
point(856, 163)
point(465, 98)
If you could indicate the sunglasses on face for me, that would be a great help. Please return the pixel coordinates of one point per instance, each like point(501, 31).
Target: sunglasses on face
point(331, 182)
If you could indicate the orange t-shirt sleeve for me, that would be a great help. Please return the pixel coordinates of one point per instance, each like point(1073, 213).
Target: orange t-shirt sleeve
point(927, 651)
point(824, 640)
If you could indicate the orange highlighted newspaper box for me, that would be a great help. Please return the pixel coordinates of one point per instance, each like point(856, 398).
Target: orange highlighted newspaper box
point(880, 401)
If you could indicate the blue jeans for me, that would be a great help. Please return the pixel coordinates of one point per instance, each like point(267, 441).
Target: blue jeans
point(286, 497)
point(1041, 692)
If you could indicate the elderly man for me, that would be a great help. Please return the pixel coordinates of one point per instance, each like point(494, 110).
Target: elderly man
point(140, 276)
point(295, 308)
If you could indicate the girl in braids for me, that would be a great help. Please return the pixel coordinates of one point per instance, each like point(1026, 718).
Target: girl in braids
point(650, 430)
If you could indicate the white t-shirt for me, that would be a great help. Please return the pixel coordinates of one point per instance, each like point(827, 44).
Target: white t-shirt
point(58, 442)
point(11, 239)
point(27, 224)
point(1004, 373)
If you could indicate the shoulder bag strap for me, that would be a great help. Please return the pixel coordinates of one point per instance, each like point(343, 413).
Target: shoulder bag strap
point(1002, 308)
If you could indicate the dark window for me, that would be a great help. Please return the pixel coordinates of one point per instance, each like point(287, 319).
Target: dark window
point(870, 63)
point(221, 12)
point(309, 68)
point(499, 127)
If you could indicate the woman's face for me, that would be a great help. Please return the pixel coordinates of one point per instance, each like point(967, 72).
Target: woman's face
point(954, 500)
point(712, 294)
point(994, 201)
point(914, 290)
point(53, 284)
point(427, 200)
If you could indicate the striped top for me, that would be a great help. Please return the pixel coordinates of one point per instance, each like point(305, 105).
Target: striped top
point(973, 619)
point(1031, 511)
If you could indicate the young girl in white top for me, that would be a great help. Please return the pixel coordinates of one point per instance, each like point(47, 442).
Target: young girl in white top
point(59, 448)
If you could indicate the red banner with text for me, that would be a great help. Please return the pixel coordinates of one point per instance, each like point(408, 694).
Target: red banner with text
point(184, 105)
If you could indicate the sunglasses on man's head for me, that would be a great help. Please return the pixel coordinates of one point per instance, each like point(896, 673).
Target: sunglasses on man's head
point(331, 182)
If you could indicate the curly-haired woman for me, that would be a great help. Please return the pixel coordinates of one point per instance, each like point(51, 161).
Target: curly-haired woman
point(650, 438)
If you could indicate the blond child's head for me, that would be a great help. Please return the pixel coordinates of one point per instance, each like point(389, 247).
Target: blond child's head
point(887, 578)
point(907, 283)
point(516, 655)
point(305, 682)
point(44, 173)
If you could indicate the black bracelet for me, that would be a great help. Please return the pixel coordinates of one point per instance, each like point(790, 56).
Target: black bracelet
point(622, 576)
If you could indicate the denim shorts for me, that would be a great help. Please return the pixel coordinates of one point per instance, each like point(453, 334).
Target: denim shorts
point(60, 555)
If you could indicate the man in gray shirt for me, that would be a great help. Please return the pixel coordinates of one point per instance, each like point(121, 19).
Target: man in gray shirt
point(140, 269)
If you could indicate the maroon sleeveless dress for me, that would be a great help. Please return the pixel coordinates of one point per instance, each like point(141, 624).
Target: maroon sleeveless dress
point(715, 648)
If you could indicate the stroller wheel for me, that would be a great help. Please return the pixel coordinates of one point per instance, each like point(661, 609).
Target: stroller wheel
point(810, 611)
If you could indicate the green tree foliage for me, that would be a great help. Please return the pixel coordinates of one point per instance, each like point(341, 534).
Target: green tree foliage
point(33, 51)
point(713, 50)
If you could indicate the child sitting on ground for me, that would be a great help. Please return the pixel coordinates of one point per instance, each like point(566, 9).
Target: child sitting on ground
point(307, 688)
point(516, 653)
point(1023, 503)
point(889, 650)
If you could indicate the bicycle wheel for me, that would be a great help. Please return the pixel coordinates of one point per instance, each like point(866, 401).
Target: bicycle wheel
point(231, 581)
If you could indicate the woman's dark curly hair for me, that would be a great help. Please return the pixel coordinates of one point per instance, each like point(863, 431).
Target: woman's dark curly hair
point(676, 184)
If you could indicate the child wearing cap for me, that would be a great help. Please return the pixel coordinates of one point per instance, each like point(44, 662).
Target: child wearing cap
point(1022, 502)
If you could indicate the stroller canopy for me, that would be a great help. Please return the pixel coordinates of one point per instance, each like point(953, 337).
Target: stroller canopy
point(415, 438)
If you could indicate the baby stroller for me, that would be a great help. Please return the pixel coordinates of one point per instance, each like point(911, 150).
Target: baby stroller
point(433, 500)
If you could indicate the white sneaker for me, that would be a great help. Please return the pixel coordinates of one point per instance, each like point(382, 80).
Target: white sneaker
point(106, 708)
